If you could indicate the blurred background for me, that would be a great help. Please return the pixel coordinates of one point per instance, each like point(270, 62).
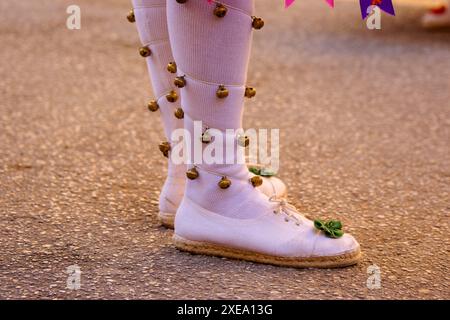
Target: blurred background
point(364, 119)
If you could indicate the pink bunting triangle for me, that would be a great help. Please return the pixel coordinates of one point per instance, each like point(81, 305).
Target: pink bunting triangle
point(287, 3)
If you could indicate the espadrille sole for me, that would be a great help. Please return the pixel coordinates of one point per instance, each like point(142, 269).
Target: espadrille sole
point(167, 219)
point(196, 247)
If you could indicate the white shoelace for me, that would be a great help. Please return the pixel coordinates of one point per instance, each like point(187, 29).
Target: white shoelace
point(286, 208)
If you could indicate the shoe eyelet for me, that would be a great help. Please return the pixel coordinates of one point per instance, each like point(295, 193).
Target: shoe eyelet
point(286, 219)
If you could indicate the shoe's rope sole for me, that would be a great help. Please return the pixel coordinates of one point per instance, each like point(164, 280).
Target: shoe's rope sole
point(196, 247)
point(167, 219)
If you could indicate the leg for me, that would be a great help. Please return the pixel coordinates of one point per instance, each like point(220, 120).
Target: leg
point(222, 213)
point(151, 22)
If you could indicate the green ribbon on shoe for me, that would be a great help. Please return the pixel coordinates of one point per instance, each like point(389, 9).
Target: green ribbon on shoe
point(264, 172)
point(331, 228)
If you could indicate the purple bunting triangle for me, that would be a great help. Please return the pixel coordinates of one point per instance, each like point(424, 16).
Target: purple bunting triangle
point(385, 5)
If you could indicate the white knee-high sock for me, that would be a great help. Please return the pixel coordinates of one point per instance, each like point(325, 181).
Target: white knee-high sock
point(151, 22)
point(210, 51)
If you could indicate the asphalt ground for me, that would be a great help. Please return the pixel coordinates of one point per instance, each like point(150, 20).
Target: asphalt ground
point(364, 123)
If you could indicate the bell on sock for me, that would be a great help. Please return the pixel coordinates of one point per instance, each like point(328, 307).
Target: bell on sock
point(257, 23)
point(192, 174)
point(130, 16)
point(181, 1)
point(179, 113)
point(145, 51)
point(224, 183)
point(164, 147)
point(250, 92)
point(220, 10)
point(222, 92)
point(180, 82)
point(172, 67)
point(206, 137)
point(172, 96)
point(256, 181)
point(153, 106)
point(243, 141)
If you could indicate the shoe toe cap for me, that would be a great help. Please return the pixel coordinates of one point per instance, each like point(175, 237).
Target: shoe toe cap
point(325, 246)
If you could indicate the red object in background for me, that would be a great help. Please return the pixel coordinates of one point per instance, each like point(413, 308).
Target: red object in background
point(439, 10)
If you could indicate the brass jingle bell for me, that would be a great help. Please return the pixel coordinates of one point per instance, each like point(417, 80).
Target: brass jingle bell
point(192, 174)
point(257, 23)
point(145, 51)
point(222, 92)
point(153, 106)
point(180, 82)
point(250, 92)
point(172, 96)
point(256, 181)
point(179, 113)
point(172, 67)
point(243, 141)
point(206, 137)
point(130, 16)
point(220, 10)
point(166, 154)
point(224, 183)
point(164, 146)
point(181, 1)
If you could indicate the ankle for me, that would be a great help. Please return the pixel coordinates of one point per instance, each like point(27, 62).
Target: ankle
point(171, 194)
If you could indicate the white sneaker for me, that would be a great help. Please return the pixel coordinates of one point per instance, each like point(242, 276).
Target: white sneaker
point(279, 235)
point(437, 18)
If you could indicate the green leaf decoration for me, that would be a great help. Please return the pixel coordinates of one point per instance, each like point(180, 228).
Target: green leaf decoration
point(264, 172)
point(267, 172)
point(331, 228)
point(254, 170)
point(329, 233)
point(319, 224)
point(334, 224)
point(338, 233)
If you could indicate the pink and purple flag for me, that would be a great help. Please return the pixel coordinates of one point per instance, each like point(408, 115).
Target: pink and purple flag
point(287, 3)
point(385, 5)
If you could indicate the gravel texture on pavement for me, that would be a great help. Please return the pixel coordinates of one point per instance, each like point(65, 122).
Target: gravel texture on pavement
point(364, 119)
